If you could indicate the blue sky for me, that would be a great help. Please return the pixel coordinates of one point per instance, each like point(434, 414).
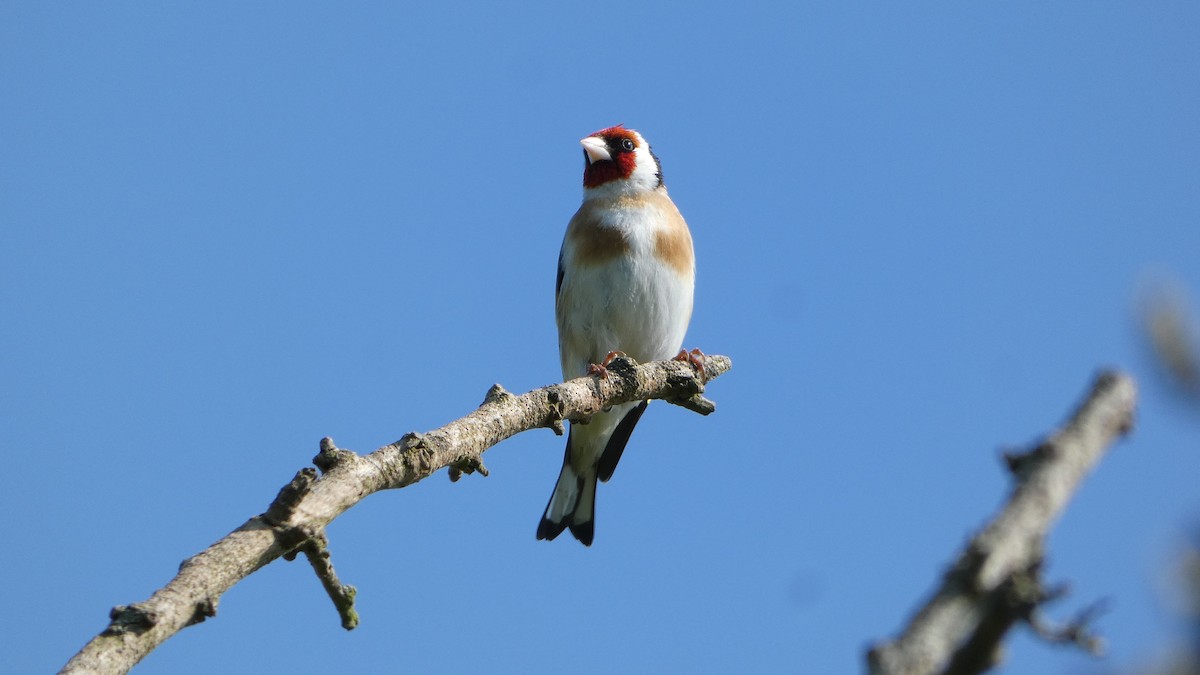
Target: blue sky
point(228, 231)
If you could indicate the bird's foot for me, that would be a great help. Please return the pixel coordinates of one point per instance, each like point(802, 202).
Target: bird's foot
point(601, 369)
point(695, 359)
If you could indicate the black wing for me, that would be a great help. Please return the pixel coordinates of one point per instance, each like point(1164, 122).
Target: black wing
point(558, 283)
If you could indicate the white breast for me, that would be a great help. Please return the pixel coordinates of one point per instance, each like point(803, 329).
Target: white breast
point(635, 303)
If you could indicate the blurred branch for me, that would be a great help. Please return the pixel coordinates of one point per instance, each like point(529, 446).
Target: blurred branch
point(996, 582)
point(1186, 587)
point(1182, 593)
point(295, 522)
point(1169, 324)
point(1189, 585)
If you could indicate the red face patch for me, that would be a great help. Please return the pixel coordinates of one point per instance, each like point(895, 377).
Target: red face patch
point(621, 144)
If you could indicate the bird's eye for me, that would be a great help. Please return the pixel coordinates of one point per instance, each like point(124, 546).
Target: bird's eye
point(627, 145)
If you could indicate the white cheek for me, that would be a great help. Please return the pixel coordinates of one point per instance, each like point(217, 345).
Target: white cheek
point(645, 172)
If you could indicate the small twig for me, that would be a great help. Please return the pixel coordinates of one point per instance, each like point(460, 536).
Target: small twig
point(1078, 631)
point(281, 509)
point(313, 543)
point(316, 549)
point(696, 403)
point(468, 465)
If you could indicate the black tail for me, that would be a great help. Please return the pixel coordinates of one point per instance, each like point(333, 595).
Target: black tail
point(583, 525)
point(548, 529)
point(616, 442)
point(571, 505)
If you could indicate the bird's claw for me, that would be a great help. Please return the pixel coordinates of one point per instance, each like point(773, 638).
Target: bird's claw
point(601, 369)
point(695, 359)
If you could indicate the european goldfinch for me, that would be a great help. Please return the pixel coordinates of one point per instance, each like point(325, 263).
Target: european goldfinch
point(626, 274)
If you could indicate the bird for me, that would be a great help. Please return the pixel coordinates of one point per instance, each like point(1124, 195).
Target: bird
point(626, 279)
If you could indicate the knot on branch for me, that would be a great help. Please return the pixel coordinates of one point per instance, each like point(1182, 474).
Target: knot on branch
point(135, 619)
point(204, 609)
point(967, 571)
point(331, 456)
point(293, 539)
point(1021, 463)
point(622, 365)
point(558, 412)
point(280, 510)
point(684, 383)
point(496, 394)
point(1018, 596)
point(418, 455)
point(686, 387)
point(467, 465)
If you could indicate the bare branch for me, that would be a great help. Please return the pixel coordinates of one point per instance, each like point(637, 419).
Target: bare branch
point(996, 581)
point(296, 519)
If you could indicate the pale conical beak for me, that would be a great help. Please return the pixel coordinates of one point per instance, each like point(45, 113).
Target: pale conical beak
point(595, 149)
